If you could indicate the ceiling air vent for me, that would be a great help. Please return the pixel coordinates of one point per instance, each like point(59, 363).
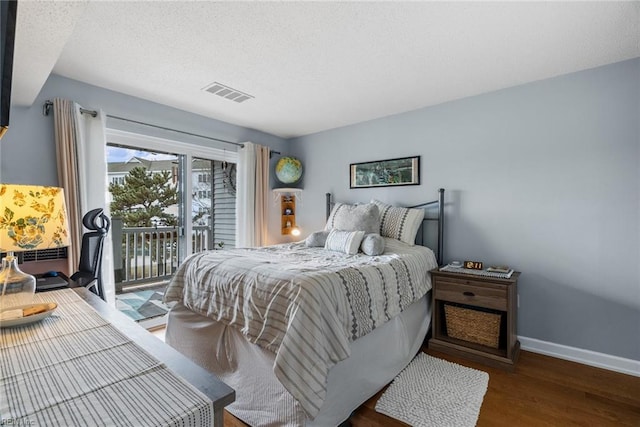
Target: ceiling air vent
point(227, 92)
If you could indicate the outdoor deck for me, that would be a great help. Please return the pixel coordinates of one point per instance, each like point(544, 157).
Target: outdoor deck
point(144, 265)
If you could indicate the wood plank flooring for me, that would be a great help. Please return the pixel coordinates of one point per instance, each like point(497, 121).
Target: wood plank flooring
point(543, 391)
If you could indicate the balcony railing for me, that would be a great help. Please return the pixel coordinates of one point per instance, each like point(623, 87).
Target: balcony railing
point(151, 254)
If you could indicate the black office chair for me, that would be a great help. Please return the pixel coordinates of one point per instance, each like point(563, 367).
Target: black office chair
point(89, 272)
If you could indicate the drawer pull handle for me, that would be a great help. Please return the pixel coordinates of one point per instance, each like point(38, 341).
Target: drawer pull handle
point(468, 294)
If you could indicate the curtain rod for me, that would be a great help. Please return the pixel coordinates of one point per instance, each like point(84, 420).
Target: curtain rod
point(46, 108)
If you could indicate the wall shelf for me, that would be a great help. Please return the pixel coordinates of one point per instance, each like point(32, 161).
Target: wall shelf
point(287, 213)
point(295, 192)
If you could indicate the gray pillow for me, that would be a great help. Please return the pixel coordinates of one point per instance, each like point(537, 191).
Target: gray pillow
point(316, 239)
point(345, 217)
point(344, 241)
point(372, 244)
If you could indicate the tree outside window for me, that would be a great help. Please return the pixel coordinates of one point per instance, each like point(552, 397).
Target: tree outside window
point(143, 198)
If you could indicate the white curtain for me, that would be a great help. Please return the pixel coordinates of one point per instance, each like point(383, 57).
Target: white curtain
point(252, 196)
point(93, 184)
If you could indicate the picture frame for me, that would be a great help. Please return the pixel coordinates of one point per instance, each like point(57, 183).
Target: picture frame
point(385, 173)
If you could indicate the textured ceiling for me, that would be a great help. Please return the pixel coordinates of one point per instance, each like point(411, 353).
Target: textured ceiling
point(313, 66)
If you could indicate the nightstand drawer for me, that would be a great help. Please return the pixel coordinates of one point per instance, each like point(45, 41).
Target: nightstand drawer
point(472, 294)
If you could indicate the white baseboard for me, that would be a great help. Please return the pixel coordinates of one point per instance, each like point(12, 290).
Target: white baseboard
point(586, 357)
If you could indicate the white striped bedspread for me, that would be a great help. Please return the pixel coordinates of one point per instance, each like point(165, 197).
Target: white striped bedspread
point(304, 304)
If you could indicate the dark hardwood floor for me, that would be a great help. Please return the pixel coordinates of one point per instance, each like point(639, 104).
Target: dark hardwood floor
point(543, 391)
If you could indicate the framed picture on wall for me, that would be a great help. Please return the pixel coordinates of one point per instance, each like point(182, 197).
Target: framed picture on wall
point(385, 173)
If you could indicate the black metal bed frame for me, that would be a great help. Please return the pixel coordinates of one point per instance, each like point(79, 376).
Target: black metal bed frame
point(420, 236)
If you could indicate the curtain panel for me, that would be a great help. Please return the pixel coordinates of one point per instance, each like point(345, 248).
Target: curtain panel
point(252, 195)
point(67, 161)
point(82, 172)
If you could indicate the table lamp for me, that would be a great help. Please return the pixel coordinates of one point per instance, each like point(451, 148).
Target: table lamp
point(31, 217)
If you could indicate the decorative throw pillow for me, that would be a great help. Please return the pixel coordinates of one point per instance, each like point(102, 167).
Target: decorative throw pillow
point(372, 244)
point(354, 218)
point(344, 241)
point(316, 239)
point(399, 223)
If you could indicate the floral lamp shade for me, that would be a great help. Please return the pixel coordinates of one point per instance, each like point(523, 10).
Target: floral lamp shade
point(32, 217)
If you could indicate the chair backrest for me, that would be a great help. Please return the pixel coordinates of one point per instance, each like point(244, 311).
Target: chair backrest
point(92, 244)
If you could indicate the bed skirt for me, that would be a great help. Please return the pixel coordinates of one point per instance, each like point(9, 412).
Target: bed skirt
point(260, 398)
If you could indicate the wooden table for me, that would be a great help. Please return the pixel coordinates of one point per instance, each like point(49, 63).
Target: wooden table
point(205, 382)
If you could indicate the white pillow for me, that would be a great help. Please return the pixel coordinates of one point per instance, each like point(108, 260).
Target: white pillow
point(316, 239)
point(399, 223)
point(372, 244)
point(344, 241)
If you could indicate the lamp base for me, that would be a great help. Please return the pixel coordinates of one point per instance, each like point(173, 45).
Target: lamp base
point(16, 287)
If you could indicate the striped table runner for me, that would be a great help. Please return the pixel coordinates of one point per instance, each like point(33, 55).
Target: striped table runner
point(75, 369)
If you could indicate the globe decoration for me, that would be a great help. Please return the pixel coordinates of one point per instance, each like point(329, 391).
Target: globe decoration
point(288, 170)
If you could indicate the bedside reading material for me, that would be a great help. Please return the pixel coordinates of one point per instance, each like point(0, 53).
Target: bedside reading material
point(484, 273)
point(499, 269)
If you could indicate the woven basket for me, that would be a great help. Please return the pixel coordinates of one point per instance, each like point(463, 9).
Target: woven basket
point(472, 325)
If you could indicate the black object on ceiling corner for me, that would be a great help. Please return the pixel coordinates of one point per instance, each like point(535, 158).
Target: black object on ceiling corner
point(8, 14)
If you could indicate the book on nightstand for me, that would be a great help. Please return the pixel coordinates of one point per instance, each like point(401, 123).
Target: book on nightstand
point(499, 269)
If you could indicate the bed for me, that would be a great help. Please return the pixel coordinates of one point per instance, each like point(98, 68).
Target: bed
point(306, 332)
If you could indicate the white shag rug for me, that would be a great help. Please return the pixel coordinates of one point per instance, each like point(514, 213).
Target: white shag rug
point(432, 392)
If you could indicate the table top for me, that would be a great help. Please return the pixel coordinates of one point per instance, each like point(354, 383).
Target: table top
point(480, 275)
point(84, 366)
point(205, 381)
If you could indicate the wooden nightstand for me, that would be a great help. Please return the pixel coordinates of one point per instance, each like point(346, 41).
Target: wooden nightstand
point(497, 298)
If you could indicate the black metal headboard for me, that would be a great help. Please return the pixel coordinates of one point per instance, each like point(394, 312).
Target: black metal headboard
point(420, 236)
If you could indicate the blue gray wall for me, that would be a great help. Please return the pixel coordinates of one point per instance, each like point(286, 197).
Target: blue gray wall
point(544, 177)
point(27, 151)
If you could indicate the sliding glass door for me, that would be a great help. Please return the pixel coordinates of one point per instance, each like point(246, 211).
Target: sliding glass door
point(146, 210)
point(164, 207)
